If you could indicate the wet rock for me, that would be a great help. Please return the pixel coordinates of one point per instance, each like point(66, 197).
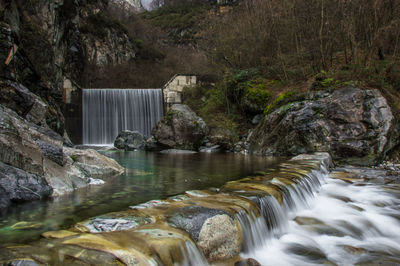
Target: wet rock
point(153, 145)
point(181, 128)
point(93, 164)
point(256, 119)
point(192, 218)
point(212, 149)
point(130, 140)
point(26, 226)
point(176, 151)
point(309, 252)
point(114, 222)
point(301, 220)
point(38, 151)
point(58, 234)
point(219, 238)
point(354, 125)
point(17, 185)
point(247, 262)
point(22, 262)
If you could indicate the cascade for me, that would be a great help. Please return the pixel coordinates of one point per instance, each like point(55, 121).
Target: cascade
point(106, 112)
point(298, 214)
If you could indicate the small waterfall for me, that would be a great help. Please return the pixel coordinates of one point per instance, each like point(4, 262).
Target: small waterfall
point(106, 112)
point(192, 256)
point(259, 231)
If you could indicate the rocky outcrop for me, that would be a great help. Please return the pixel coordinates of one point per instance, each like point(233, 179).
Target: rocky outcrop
point(17, 185)
point(181, 128)
point(130, 140)
point(37, 155)
point(58, 38)
point(352, 124)
point(129, 6)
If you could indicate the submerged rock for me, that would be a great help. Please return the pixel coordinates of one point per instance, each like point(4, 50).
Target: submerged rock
point(176, 151)
point(212, 149)
point(130, 140)
point(181, 128)
point(352, 124)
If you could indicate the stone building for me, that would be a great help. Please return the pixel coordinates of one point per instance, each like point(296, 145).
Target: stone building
point(174, 87)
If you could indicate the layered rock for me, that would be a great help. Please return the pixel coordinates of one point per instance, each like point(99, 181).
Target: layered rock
point(17, 185)
point(352, 124)
point(181, 128)
point(185, 229)
point(36, 154)
point(58, 39)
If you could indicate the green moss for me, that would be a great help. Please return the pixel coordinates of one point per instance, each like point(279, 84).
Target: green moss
point(279, 101)
point(74, 157)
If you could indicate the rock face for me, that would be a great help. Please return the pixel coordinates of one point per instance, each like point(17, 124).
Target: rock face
point(130, 140)
point(58, 37)
point(181, 128)
point(352, 124)
point(17, 185)
point(37, 160)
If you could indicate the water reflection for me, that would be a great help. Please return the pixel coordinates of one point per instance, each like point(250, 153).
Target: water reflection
point(148, 176)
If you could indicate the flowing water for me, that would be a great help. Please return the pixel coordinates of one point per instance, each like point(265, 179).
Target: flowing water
point(336, 223)
point(149, 176)
point(291, 213)
point(106, 112)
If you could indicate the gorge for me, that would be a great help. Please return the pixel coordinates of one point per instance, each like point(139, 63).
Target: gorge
point(281, 147)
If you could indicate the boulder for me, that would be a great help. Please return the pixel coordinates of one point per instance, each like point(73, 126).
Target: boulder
point(219, 238)
point(353, 125)
point(130, 140)
point(38, 165)
point(214, 230)
point(181, 128)
point(17, 185)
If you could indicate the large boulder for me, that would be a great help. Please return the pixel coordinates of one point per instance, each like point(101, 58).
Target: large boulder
point(34, 160)
point(353, 125)
point(17, 185)
point(181, 128)
point(130, 140)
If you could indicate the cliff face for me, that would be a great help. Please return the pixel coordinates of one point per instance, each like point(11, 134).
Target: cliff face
point(60, 38)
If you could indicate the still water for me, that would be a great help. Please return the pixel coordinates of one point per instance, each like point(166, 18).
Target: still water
point(149, 176)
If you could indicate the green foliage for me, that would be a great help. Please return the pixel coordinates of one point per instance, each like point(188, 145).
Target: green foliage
point(148, 52)
point(236, 82)
point(74, 157)
point(181, 22)
point(282, 99)
point(258, 94)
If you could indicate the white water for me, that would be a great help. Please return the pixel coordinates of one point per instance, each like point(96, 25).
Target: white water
point(106, 112)
point(349, 218)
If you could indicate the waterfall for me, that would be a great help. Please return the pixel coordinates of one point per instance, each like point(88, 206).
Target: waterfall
point(106, 112)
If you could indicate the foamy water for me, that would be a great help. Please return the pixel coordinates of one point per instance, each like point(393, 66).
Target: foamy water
point(344, 224)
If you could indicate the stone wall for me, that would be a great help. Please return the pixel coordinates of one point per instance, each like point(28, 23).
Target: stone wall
point(72, 109)
point(174, 88)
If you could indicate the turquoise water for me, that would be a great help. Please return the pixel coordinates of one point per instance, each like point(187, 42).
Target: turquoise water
point(149, 176)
